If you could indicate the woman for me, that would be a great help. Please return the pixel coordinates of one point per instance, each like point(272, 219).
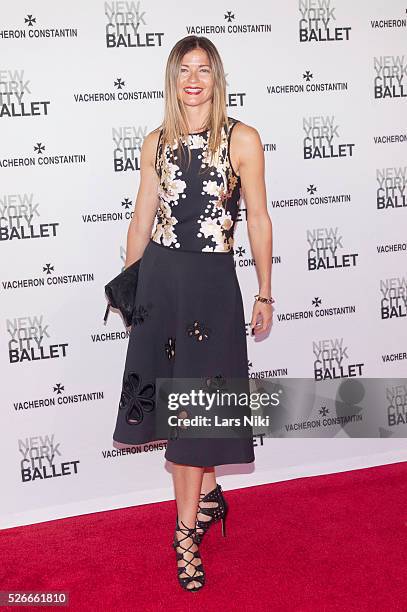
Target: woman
point(188, 319)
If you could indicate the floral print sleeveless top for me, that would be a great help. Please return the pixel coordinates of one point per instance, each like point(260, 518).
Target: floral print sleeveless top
point(199, 202)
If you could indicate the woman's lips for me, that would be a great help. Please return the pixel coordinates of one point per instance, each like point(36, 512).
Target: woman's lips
point(193, 91)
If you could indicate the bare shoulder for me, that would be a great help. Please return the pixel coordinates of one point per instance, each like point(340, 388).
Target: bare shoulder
point(151, 140)
point(246, 143)
point(149, 147)
point(246, 134)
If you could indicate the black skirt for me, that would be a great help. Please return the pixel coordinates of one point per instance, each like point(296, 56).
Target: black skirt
point(188, 322)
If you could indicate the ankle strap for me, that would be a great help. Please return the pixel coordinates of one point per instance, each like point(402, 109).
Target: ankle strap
point(185, 529)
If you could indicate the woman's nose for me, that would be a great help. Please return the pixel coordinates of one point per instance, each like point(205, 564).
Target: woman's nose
point(193, 77)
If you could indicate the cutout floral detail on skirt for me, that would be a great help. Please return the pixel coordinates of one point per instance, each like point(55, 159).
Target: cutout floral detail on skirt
point(141, 313)
point(192, 295)
point(174, 431)
point(136, 399)
point(170, 348)
point(215, 382)
point(198, 331)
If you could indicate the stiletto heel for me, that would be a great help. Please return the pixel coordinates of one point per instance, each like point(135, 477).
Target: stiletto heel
point(215, 513)
point(198, 576)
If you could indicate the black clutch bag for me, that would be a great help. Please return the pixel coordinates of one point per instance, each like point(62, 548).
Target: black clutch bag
point(121, 292)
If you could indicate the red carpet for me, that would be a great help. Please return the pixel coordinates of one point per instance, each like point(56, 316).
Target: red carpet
point(336, 542)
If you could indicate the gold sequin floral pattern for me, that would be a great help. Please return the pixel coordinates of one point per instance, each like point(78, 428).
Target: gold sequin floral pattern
point(171, 187)
point(198, 194)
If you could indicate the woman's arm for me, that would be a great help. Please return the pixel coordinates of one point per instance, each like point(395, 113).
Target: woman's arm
point(140, 226)
point(249, 159)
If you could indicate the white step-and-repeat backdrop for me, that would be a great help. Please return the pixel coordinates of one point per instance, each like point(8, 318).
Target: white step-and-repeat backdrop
point(81, 84)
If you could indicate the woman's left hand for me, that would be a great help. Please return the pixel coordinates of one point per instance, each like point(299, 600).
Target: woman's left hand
point(262, 315)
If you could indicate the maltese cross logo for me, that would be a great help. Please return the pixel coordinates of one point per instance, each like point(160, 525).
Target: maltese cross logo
point(30, 20)
point(119, 83)
point(126, 203)
point(48, 268)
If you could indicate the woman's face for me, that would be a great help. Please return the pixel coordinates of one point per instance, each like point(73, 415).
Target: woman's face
point(195, 79)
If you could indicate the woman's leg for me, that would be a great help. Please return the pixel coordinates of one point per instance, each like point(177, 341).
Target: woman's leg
point(187, 486)
point(208, 480)
point(208, 484)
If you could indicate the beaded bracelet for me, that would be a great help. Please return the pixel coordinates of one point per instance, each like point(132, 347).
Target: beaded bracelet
point(269, 300)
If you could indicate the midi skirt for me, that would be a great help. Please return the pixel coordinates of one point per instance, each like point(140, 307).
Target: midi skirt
point(188, 321)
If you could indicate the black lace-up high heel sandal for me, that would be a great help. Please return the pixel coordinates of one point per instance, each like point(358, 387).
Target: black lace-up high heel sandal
point(215, 513)
point(182, 549)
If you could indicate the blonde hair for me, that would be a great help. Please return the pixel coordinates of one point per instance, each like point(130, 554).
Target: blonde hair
point(175, 124)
